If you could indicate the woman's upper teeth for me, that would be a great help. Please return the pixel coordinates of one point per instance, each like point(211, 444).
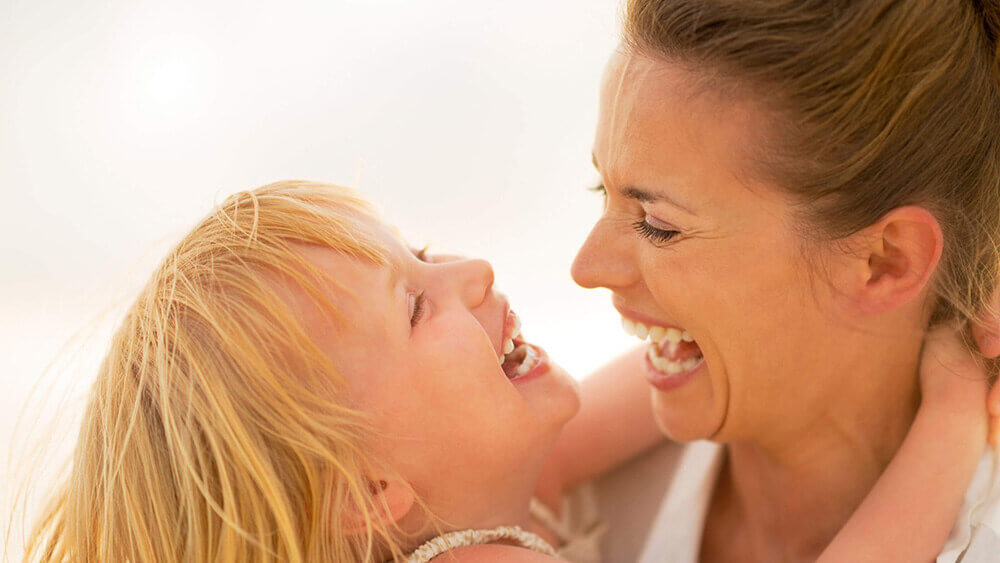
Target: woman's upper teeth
point(655, 333)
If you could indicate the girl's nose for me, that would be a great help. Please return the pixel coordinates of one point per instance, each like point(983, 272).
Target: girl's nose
point(475, 278)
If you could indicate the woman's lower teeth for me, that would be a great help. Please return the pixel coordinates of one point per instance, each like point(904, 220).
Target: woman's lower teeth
point(669, 366)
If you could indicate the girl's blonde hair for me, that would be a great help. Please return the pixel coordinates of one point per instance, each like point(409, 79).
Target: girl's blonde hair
point(217, 430)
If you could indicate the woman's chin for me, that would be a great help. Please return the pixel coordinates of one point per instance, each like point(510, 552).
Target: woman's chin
point(686, 421)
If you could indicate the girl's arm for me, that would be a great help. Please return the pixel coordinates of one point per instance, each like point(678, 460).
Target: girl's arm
point(910, 512)
point(615, 424)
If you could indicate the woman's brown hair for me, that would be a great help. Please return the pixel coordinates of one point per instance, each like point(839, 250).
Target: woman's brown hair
point(873, 105)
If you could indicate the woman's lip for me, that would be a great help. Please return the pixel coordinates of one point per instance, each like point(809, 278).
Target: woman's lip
point(668, 381)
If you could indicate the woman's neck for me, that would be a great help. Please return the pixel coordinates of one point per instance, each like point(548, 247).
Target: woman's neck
point(792, 491)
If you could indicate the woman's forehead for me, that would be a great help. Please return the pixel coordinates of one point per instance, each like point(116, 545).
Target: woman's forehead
point(654, 124)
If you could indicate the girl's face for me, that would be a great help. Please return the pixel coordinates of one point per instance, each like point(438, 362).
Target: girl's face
point(707, 261)
point(421, 348)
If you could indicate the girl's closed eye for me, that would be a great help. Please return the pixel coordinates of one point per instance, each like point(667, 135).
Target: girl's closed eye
point(418, 304)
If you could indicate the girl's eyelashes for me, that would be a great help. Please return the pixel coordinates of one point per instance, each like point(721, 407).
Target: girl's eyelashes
point(652, 233)
point(417, 308)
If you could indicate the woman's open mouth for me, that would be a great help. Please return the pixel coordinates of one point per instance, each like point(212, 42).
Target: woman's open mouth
point(672, 355)
point(520, 359)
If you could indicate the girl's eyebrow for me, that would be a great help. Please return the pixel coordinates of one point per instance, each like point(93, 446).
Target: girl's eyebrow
point(394, 267)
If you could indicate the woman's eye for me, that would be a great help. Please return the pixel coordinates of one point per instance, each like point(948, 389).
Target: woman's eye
point(652, 233)
point(417, 307)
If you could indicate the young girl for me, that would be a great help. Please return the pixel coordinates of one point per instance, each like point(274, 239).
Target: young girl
point(296, 384)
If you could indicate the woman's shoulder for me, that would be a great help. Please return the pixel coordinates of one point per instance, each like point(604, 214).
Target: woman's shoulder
point(493, 552)
point(976, 535)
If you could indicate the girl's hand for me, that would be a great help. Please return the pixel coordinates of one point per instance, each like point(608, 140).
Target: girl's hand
point(951, 377)
point(987, 335)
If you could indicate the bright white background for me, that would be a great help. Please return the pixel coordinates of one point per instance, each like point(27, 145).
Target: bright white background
point(123, 121)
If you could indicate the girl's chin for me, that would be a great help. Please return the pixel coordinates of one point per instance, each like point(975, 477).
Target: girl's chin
point(556, 395)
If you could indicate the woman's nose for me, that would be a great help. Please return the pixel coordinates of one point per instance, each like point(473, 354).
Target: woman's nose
point(606, 259)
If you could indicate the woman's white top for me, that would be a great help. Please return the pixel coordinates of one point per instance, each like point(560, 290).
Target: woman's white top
point(675, 536)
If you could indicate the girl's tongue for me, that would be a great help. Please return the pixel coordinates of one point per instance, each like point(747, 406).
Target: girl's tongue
point(521, 360)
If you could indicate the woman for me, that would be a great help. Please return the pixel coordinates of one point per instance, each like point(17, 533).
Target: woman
point(803, 188)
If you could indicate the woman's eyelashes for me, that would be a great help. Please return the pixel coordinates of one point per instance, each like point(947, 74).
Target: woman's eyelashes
point(642, 227)
point(600, 189)
point(652, 233)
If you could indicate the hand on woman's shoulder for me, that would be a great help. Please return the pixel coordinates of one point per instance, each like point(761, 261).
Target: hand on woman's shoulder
point(491, 553)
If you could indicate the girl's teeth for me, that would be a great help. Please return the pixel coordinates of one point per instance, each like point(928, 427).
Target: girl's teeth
point(686, 336)
point(530, 359)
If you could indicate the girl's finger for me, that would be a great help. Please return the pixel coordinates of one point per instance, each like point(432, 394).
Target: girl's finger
point(987, 334)
point(994, 434)
point(993, 400)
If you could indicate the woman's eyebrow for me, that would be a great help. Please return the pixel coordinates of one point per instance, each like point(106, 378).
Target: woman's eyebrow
point(648, 196)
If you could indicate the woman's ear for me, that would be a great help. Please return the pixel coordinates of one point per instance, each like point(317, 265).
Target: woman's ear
point(391, 498)
point(898, 256)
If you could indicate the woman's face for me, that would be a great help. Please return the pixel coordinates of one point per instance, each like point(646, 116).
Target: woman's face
point(421, 347)
point(688, 245)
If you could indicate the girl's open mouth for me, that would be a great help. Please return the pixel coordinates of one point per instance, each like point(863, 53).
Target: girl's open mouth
point(520, 359)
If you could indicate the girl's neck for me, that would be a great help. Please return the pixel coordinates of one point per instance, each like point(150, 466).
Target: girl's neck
point(467, 506)
point(793, 491)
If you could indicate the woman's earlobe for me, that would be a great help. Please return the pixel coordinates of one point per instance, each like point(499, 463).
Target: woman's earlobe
point(389, 501)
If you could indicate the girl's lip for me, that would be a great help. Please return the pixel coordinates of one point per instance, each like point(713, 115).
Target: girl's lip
point(668, 381)
point(506, 322)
